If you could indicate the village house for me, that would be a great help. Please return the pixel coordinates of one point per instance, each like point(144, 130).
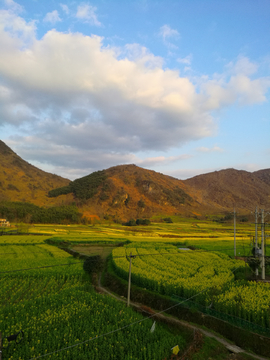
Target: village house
point(4, 223)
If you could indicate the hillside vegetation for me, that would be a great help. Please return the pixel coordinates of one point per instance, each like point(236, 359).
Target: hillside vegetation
point(21, 181)
point(126, 192)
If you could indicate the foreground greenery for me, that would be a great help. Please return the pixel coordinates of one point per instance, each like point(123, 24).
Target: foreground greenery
point(57, 308)
point(206, 277)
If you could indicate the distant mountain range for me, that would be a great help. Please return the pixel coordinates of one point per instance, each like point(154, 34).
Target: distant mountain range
point(128, 191)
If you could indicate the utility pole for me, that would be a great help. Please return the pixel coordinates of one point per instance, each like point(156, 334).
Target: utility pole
point(0, 345)
point(262, 246)
point(234, 223)
point(256, 237)
point(129, 279)
point(256, 228)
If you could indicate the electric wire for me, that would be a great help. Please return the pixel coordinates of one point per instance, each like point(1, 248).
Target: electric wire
point(119, 329)
point(123, 327)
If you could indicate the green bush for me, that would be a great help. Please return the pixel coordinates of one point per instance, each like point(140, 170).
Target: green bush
point(92, 264)
point(168, 220)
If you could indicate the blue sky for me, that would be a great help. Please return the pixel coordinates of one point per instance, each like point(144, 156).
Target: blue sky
point(179, 87)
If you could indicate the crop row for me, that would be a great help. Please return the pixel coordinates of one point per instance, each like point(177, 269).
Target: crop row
point(208, 276)
point(57, 309)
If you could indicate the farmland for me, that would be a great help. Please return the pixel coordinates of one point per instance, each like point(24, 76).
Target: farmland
point(56, 307)
point(47, 294)
point(196, 274)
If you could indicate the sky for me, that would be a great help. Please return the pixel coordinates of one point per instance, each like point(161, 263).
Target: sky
point(181, 87)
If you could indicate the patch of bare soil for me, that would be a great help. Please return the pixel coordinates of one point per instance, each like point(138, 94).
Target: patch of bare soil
point(91, 250)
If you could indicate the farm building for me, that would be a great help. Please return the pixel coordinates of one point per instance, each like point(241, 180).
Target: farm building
point(4, 223)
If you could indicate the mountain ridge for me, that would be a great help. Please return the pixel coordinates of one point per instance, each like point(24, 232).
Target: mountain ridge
point(126, 191)
point(21, 181)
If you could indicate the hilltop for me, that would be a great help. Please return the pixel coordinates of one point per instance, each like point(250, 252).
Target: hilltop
point(230, 188)
point(128, 191)
point(21, 181)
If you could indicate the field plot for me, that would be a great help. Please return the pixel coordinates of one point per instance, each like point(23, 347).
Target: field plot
point(55, 306)
point(22, 239)
point(206, 276)
point(202, 234)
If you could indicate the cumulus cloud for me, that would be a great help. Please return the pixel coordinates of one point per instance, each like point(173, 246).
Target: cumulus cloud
point(90, 106)
point(15, 31)
point(235, 86)
point(87, 13)
point(52, 17)
point(242, 66)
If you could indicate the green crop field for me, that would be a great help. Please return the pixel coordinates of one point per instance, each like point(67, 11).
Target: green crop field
point(206, 277)
point(46, 293)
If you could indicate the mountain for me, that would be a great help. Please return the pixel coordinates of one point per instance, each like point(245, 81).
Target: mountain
point(226, 189)
point(21, 181)
point(128, 191)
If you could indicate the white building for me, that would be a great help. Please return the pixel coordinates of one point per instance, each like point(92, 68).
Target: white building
point(4, 223)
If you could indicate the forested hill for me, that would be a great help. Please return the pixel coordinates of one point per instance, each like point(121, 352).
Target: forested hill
point(226, 189)
point(21, 181)
point(128, 191)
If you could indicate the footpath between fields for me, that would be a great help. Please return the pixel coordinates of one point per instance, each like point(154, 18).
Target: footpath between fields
point(235, 339)
point(176, 322)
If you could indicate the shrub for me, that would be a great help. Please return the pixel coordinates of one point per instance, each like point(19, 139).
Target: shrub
point(131, 222)
point(168, 220)
point(92, 264)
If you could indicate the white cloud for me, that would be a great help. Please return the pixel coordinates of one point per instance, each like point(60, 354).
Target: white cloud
point(15, 31)
point(13, 6)
point(89, 106)
point(242, 66)
point(87, 13)
point(235, 86)
point(167, 32)
point(65, 8)
point(52, 17)
point(186, 60)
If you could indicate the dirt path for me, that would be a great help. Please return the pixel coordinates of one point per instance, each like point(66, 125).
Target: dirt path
point(231, 347)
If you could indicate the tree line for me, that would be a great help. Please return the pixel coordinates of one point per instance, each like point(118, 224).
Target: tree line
point(29, 213)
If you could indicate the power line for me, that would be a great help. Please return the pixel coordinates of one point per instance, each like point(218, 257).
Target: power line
point(116, 330)
point(123, 327)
